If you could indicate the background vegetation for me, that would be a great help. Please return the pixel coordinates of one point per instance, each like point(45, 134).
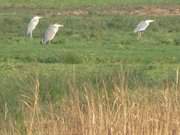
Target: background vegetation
point(77, 3)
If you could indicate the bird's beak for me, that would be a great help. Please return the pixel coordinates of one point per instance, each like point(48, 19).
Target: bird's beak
point(61, 25)
point(152, 20)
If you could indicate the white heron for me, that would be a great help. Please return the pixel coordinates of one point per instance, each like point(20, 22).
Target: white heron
point(142, 26)
point(32, 25)
point(51, 32)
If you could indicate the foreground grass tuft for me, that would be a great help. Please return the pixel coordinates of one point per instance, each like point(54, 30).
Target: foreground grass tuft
point(95, 112)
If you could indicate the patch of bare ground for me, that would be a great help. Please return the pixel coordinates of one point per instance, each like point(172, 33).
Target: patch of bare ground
point(106, 10)
point(140, 11)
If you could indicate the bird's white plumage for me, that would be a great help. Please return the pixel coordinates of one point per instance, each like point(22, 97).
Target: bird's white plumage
point(32, 25)
point(143, 25)
point(50, 33)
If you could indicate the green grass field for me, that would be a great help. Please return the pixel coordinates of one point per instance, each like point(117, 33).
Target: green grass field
point(93, 50)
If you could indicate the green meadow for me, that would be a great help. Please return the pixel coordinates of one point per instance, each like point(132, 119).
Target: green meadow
point(92, 48)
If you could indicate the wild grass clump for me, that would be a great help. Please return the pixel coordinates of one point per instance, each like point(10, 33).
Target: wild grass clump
point(119, 111)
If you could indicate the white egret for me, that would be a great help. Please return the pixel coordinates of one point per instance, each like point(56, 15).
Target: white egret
point(32, 25)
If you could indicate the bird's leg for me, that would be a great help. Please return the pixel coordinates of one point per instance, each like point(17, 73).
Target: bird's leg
point(142, 33)
point(31, 35)
point(139, 35)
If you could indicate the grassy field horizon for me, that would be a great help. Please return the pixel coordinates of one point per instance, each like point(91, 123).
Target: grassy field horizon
point(79, 3)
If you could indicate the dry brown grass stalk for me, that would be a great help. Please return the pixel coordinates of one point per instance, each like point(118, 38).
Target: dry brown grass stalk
point(118, 112)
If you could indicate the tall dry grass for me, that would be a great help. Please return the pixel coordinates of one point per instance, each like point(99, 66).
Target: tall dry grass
point(119, 111)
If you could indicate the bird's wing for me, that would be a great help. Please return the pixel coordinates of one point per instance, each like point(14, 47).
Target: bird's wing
point(32, 25)
point(141, 26)
point(49, 34)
